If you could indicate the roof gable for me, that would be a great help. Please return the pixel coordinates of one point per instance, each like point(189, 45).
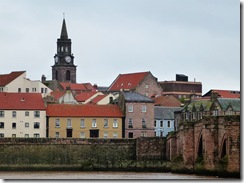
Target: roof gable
point(225, 103)
point(21, 101)
point(7, 78)
point(127, 81)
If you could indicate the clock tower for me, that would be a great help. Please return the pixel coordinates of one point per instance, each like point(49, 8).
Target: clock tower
point(64, 69)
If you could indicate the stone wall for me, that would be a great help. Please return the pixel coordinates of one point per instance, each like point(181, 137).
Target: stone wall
point(82, 154)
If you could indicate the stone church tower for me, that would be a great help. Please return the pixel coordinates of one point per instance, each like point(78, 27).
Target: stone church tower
point(64, 69)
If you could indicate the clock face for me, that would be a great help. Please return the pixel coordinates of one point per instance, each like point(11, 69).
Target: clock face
point(56, 59)
point(68, 59)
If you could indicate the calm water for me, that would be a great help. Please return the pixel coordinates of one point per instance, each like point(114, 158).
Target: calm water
point(100, 175)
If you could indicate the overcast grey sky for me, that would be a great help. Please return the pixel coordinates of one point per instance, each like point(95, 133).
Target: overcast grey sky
point(198, 38)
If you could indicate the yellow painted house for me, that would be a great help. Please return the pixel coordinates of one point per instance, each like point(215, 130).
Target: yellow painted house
point(84, 121)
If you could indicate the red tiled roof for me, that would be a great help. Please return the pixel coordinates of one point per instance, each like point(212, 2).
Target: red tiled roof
point(127, 81)
point(57, 94)
point(98, 98)
point(224, 93)
point(89, 86)
point(74, 86)
point(83, 96)
point(7, 78)
point(167, 101)
point(85, 110)
point(21, 101)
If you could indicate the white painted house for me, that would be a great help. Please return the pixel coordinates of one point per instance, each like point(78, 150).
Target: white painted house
point(22, 115)
point(17, 82)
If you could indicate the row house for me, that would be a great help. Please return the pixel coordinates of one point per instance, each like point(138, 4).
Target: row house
point(84, 121)
point(22, 115)
point(164, 120)
point(143, 83)
point(206, 106)
point(139, 114)
point(17, 82)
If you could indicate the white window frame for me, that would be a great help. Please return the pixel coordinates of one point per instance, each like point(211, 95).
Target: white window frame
point(2, 114)
point(36, 135)
point(57, 123)
point(57, 134)
point(94, 123)
point(115, 135)
point(115, 123)
point(143, 108)
point(69, 123)
point(130, 108)
point(143, 121)
point(82, 135)
point(130, 123)
point(169, 124)
point(82, 123)
point(105, 123)
point(105, 135)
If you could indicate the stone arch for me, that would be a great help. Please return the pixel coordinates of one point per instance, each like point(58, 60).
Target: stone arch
point(223, 147)
point(199, 154)
point(68, 75)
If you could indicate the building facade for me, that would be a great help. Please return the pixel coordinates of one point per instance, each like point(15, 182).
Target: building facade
point(84, 121)
point(64, 69)
point(22, 115)
point(139, 114)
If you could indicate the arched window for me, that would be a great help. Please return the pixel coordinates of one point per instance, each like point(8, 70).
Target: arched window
point(67, 75)
point(56, 74)
point(200, 148)
point(223, 152)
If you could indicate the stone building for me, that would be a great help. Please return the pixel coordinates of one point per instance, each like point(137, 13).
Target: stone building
point(143, 83)
point(139, 114)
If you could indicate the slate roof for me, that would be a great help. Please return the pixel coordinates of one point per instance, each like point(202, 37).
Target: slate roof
point(85, 110)
point(224, 93)
point(21, 101)
point(225, 102)
point(7, 78)
point(165, 112)
point(205, 104)
point(127, 81)
point(167, 101)
point(136, 97)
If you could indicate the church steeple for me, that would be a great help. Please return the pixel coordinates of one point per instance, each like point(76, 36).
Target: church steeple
point(64, 34)
point(64, 69)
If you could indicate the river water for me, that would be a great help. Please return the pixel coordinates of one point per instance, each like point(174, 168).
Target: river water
point(99, 175)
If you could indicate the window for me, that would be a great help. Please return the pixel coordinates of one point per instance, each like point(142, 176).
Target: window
point(26, 125)
point(66, 49)
point(13, 135)
point(146, 86)
point(143, 108)
point(130, 134)
point(42, 90)
point(161, 124)
point(1, 113)
point(19, 90)
point(105, 135)
point(144, 123)
point(161, 133)
point(57, 123)
point(105, 123)
point(36, 125)
point(14, 114)
point(130, 108)
point(130, 123)
point(33, 90)
point(82, 123)
point(1, 89)
point(82, 134)
point(27, 90)
point(155, 123)
point(186, 115)
point(115, 123)
point(193, 115)
point(143, 134)
point(67, 75)
point(36, 114)
point(1, 124)
point(56, 134)
point(36, 135)
point(168, 124)
point(45, 90)
point(62, 48)
point(13, 125)
point(26, 135)
point(94, 123)
point(69, 124)
point(115, 134)
point(215, 112)
point(146, 94)
point(1, 135)
point(27, 113)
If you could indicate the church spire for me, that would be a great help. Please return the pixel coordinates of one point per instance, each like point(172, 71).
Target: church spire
point(64, 34)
